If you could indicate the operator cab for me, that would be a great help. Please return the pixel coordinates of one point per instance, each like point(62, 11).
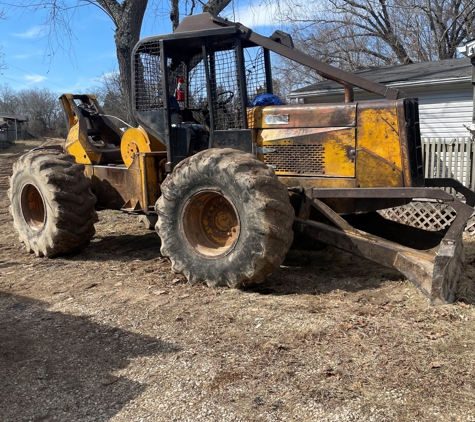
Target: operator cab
point(192, 88)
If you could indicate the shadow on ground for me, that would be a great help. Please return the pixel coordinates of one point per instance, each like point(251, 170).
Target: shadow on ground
point(324, 271)
point(121, 247)
point(55, 366)
point(328, 270)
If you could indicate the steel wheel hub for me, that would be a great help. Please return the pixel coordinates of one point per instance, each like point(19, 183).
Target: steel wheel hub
point(210, 224)
point(33, 207)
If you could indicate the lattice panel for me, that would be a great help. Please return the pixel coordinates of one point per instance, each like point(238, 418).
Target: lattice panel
point(296, 158)
point(426, 215)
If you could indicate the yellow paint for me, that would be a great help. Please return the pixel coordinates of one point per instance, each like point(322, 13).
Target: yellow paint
point(318, 182)
point(137, 140)
point(149, 177)
point(336, 142)
point(135, 176)
point(133, 141)
point(155, 144)
point(373, 172)
point(378, 132)
point(74, 147)
point(254, 117)
point(302, 116)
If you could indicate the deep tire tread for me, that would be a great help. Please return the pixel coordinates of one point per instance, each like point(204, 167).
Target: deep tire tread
point(69, 202)
point(266, 234)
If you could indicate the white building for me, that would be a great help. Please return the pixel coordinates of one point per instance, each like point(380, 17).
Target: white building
point(444, 90)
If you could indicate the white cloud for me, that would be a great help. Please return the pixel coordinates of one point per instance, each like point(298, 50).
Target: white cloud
point(33, 32)
point(82, 85)
point(255, 16)
point(34, 79)
point(110, 75)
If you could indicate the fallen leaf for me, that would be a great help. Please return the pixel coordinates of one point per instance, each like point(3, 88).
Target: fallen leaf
point(435, 336)
point(177, 280)
point(160, 292)
point(109, 379)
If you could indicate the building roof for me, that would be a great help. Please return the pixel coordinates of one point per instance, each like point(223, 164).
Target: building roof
point(18, 117)
point(427, 73)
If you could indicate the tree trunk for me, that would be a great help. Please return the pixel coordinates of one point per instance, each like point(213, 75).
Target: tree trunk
point(128, 17)
point(215, 6)
point(175, 14)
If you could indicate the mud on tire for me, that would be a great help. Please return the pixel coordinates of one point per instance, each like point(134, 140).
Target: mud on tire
point(51, 203)
point(224, 219)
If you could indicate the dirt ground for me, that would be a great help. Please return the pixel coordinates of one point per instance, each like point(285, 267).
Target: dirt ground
point(112, 334)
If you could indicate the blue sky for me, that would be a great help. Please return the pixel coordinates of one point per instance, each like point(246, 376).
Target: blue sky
point(25, 47)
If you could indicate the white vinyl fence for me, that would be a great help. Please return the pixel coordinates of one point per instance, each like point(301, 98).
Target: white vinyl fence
point(449, 158)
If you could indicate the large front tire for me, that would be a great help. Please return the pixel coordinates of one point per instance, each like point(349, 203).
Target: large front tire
point(224, 219)
point(51, 203)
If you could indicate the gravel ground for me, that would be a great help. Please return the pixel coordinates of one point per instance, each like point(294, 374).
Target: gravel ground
point(112, 334)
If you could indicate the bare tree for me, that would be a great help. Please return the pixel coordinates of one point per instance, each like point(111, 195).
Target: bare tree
point(9, 103)
point(450, 23)
point(364, 33)
point(127, 16)
point(40, 105)
point(110, 95)
point(43, 110)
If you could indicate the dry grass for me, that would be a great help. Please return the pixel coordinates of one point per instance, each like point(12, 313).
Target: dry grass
point(112, 334)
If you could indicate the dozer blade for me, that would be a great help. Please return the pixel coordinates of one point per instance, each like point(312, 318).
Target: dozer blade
point(431, 260)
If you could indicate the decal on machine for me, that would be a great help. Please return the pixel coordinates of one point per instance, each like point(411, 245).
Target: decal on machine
point(277, 119)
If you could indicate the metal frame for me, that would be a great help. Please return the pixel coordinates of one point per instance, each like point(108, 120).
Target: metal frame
point(434, 271)
point(204, 27)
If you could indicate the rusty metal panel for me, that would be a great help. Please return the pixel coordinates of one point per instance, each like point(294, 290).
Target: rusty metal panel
point(318, 182)
point(326, 152)
point(431, 260)
point(151, 166)
point(372, 171)
point(109, 184)
point(131, 189)
point(379, 161)
point(378, 131)
point(302, 115)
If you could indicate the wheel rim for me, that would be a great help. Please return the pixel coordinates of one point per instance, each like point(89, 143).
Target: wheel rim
point(33, 207)
point(210, 224)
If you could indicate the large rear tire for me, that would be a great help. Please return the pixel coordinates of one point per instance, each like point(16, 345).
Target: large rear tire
point(51, 203)
point(224, 219)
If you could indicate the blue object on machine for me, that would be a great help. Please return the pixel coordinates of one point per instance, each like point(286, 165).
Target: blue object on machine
point(265, 100)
